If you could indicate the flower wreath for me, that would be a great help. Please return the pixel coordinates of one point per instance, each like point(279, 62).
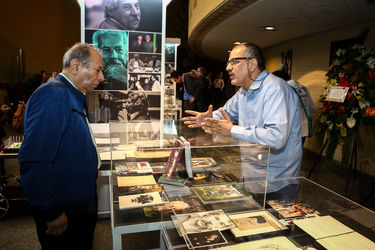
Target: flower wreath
point(354, 68)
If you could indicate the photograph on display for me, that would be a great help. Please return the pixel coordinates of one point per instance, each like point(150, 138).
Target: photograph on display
point(212, 178)
point(126, 181)
point(142, 15)
point(189, 204)
point(255, 223)
point(144, 42)
point(205, 239)
point(139, 189)
point(203, 222)
point(289, 209)
point(181, 206)
point(203, 162)
point(218, 193)
point(144, 82)
point(104, 106)
point(144, 63)
point(113, 45)
point(170, 53)
point(139, 200)
point(125, 168)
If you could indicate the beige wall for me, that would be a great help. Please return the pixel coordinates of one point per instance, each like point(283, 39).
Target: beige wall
point(309, 66)
point(44, 29)
point(199, 9)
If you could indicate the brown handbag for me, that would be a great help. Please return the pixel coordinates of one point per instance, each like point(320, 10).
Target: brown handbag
point(18, 118)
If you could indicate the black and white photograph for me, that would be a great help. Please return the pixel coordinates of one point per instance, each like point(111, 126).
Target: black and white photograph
point(144, 82)
point(140, 15)
point(144, 42)
point(204, 221)
point(113, 45)
point(170, 52)
point(206, 239)
point(123, 105)
point(144, 63)
point(140, 200)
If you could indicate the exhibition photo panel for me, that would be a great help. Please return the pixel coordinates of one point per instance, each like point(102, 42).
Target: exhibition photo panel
point(140, 15)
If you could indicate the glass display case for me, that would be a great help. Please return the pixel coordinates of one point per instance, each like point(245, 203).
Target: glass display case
point(300, 215)
point(161, 171)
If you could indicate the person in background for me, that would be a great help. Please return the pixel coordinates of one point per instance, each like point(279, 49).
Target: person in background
point(219, 86)
point(264, 111)
point(306, 104)
point(203, 98)
point(30, 84)
point(58, 157)
point(191, 89)
point(53, 76)
point(121, 15)
point(43, 73)
point(113, 45)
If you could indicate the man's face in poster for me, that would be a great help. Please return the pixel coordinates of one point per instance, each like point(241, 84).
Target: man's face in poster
point(113, 46)
point(128, 14)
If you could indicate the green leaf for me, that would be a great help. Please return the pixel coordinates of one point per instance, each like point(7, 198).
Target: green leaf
point(343, 132)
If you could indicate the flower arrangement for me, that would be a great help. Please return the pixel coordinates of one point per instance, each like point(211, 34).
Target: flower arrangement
point(353, 68)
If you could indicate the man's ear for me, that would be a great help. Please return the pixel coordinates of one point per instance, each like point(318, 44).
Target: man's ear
point(75, 66)
point(253, 64)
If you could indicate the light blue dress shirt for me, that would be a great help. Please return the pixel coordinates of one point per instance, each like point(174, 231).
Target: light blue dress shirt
point(268, 114)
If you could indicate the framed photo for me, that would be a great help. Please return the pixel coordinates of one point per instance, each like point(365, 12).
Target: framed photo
point(255, 223)
point(206, 239)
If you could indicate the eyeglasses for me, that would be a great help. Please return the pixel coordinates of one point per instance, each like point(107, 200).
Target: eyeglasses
point(236, 60)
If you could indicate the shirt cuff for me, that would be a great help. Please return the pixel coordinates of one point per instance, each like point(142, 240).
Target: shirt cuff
point(237, 131)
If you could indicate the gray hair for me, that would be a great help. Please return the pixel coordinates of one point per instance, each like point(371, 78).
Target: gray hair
point(97, 36)
point(253, 50)
point(79, 51)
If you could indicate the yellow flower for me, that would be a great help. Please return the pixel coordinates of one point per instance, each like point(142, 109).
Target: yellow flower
point(360, 84)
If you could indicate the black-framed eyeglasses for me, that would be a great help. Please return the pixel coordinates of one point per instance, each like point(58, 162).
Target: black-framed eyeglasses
point(237, 60)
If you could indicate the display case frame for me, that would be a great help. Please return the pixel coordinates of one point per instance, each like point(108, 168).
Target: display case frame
point(140, 141)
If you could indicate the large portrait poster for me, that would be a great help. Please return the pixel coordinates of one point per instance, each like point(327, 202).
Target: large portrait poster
point(129, 34)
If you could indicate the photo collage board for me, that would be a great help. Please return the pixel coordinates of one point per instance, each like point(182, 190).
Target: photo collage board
point(129, 36)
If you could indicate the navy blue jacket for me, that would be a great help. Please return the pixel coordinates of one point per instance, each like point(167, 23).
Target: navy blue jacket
point(58, 158)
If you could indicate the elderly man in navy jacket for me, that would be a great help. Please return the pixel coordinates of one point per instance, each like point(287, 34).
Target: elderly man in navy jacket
point(58, 156)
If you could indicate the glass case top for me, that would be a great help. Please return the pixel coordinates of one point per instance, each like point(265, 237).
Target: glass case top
point(154, 134)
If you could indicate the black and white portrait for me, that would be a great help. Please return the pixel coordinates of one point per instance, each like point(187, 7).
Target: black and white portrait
point(141, 15)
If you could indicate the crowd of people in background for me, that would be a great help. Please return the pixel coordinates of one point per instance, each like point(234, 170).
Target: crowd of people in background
point(198, 88)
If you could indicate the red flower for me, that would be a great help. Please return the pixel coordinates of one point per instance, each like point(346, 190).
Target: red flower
point(370, 111)
point(341, 110)
point(326, 107)
point(346, 66)
point(352, 85)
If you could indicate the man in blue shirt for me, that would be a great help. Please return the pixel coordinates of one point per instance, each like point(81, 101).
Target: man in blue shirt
point(264, 111)
point(58, 156)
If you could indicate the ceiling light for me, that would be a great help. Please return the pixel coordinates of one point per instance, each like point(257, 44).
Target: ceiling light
point(237, 43)
point(269, 28)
